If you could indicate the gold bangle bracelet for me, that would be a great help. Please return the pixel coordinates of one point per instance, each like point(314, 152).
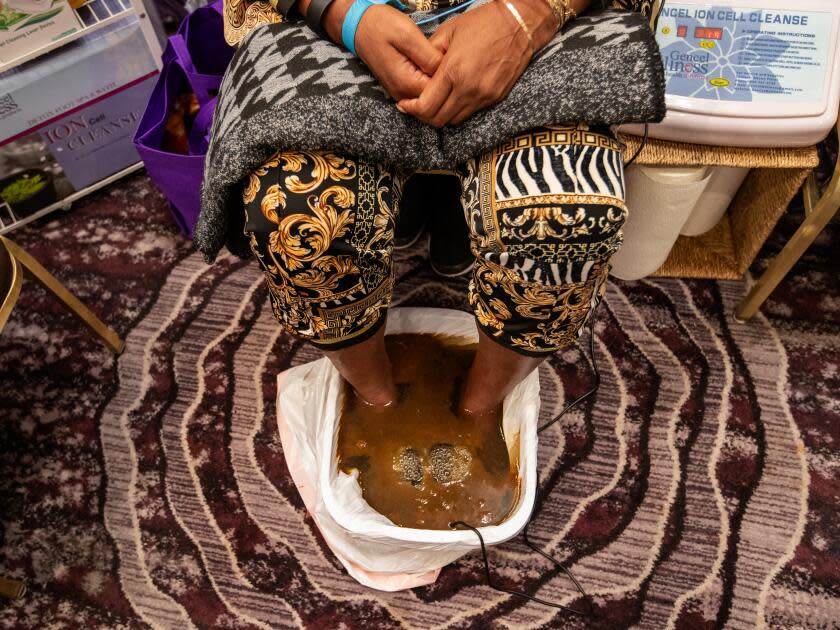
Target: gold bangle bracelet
point(562, 10)
point(518, 17)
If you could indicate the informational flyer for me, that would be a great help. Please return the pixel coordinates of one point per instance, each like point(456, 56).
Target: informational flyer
point(744, 54)
point(29, 24)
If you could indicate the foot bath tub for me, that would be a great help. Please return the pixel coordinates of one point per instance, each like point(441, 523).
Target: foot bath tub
point(374, 550)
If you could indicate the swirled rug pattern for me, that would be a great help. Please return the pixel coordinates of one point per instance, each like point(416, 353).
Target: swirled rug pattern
point(700, 489)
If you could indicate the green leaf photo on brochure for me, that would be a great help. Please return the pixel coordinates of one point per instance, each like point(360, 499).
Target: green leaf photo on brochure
point(13, 12)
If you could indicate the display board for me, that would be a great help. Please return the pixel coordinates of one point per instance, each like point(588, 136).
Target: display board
point(742, 54)
point(68, 117)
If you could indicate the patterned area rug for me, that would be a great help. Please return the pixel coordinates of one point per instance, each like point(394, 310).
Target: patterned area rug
point(700, 489)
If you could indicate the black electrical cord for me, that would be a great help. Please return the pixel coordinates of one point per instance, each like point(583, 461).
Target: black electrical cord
point(639, 150)
point(538, 506)
point(596, 381)
point(502, 589)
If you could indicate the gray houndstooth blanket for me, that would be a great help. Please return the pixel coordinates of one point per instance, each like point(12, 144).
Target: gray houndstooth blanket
point(288, 89)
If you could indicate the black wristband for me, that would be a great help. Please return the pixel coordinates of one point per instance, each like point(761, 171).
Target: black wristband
point(286, 8)
point(315, 14)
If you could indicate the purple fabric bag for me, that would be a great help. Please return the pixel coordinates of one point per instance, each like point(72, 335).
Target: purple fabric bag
point(194, 61)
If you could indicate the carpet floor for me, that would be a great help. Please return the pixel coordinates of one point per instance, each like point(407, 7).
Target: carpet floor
point(699, 489)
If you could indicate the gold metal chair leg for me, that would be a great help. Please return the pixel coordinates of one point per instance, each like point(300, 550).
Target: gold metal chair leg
point(11, 268)
point(45, 278)
point(815, 221)
point(11, 589)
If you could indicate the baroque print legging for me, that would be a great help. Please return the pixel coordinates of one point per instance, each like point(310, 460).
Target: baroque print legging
point(544, 209)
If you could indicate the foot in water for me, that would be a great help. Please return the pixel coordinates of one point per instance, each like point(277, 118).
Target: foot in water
point(401, 391)
point(492, 450)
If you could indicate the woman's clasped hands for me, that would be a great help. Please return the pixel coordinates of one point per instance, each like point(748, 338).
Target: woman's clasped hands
point(471, 62)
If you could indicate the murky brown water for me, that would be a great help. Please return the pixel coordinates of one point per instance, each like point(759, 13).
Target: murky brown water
point(420, 464)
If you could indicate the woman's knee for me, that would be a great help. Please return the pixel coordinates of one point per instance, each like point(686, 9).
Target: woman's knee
point(546, 211)
point(321, 226)
point(298, 204)
point(552, 194)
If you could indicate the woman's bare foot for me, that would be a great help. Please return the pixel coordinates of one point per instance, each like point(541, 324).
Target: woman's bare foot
point(366, 367)
point(492, 451)
point(494, 372)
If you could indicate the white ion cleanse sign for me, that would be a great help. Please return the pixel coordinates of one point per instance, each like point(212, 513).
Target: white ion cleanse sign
point(749, 72)
point(741, 54)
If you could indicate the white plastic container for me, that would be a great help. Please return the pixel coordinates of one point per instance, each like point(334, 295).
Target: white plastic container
point(756, 73)
point(659, 201)
point(714, 200)
point(665, 202)
point(376, 552)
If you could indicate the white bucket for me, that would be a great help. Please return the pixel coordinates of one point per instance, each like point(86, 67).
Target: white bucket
point(665, 202)
point(659, 201)
point(376, 552)
point(716, 198)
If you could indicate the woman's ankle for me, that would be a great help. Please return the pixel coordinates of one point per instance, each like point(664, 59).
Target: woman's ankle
point(494, 372)
point(368, 370)
point(478, 404)
point(379, 396)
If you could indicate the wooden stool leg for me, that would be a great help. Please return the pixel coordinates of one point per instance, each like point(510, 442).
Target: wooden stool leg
point(815, 221)
point(11, 589)
point(49, 282)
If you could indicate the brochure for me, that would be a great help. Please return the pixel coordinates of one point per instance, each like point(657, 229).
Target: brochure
point(26, 25)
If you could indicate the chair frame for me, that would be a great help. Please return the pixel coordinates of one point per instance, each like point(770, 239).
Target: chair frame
point(819, 210)
point(21, 260)
point(10, 299)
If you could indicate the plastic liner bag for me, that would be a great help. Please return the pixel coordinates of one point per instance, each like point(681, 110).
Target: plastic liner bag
point(374, 551)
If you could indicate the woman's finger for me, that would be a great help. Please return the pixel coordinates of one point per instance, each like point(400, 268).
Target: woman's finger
point(441, 38)
point(410, 80)
point(431, 99)
point(413, 44)
point(463, 114)
point(453, 105)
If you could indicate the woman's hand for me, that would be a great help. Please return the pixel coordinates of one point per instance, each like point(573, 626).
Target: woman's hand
point(391, 45)
point(484, 53)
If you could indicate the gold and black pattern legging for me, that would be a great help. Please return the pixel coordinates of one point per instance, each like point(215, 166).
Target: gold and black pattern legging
point(544, 209)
